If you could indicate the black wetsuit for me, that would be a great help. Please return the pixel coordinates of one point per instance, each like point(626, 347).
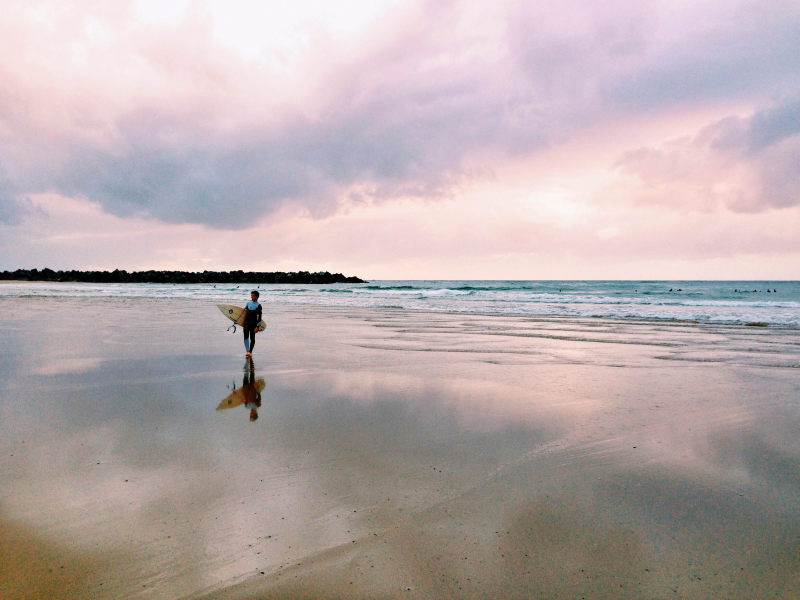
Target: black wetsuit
point(252, 317)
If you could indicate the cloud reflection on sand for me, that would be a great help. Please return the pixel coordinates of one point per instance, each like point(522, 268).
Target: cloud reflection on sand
point(558, 468)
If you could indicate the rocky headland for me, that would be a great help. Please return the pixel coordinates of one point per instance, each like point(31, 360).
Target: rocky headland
point(122, 276)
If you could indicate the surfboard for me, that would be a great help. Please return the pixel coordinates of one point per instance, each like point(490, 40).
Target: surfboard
point(236, 314)
point(238, 396)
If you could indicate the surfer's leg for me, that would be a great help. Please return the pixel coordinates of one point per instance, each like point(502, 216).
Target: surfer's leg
point(252, 339)
point(246, 339)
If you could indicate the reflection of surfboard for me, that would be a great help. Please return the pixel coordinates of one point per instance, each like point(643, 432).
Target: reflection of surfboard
point(237, 397)
point(236, 314)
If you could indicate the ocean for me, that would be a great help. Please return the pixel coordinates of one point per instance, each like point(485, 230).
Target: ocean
point(771, 303)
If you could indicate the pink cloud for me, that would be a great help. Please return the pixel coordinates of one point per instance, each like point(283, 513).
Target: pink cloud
point(746, 164)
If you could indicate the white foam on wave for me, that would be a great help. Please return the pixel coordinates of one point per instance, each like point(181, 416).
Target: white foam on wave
point(705, 302)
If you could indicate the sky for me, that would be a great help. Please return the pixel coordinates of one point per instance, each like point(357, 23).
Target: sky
point(403, 139)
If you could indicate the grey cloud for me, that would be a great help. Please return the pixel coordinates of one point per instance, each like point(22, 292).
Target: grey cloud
point(780, 180)
point(742, 51)
point(751, 136)
point(767, 144)
point(389, 138)
point(567, 63)
point(410, 116)
point(11, 209)
point(14, 205)
point(776, 123)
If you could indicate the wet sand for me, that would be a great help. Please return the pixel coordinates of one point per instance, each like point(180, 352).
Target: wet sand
point(395, 455)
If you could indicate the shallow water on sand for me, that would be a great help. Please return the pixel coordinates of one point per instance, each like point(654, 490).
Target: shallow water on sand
point(394, 453)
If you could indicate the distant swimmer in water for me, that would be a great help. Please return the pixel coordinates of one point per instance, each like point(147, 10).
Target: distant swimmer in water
point(252, 320)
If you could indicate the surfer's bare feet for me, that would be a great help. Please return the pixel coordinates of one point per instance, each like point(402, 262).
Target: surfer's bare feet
point(248, 354)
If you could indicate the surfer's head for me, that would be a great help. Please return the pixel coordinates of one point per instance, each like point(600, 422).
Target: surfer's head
point(254, 294)
point(253, 414)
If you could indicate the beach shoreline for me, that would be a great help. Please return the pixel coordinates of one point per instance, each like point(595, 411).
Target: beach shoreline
point(396, 454)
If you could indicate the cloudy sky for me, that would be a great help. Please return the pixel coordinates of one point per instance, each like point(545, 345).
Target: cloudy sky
point(403, 138)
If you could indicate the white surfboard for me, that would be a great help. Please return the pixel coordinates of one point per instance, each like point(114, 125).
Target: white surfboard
point(236, 314)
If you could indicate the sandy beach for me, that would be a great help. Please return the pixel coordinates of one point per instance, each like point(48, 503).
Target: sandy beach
point(396, 454)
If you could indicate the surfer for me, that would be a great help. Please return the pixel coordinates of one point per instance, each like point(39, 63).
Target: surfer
point(252, 320)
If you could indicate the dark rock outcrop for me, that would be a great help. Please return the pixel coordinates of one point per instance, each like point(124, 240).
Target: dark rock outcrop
point(122, 276)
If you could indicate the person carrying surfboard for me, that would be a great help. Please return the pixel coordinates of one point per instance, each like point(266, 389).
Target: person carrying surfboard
point(252, 320)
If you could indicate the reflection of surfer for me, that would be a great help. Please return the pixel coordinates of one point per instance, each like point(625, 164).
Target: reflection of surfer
point(252, 319)
point(248, 394)
point(252, 397)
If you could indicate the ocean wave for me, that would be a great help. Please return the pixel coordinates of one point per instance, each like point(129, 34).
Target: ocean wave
point(703, 302)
